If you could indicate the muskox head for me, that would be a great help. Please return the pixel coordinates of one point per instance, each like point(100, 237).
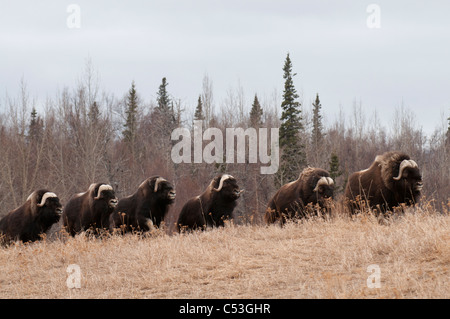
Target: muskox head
point(227, 186)
point(324, 187)
point(45, 205)
point(408, 181)
point(320, 186)
point(103, 192)
point(160, 188)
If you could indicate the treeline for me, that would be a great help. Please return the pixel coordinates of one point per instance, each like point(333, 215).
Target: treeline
point(82, 136)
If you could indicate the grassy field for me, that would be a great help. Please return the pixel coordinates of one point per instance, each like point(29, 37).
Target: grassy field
point(316, 258)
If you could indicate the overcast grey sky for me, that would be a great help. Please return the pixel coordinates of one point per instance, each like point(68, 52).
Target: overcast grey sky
point(333, 50)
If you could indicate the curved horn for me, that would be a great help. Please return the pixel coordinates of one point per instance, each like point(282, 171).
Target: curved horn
point(222, 179)
point(30, 196)
point(414, 164)
point(158, 180)
point(323, 181)
point(102, 188)
point(404, 164)
point(44, 198)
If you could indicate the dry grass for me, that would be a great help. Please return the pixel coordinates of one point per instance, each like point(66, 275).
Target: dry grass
point(312, 259)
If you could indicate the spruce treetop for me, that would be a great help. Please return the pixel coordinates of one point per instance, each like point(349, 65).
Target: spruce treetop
point(291, 115)
point(317, 133)
point(198, 115)
point(163, 99)
point(256, 113)
point(132, 105)
point(293, 156)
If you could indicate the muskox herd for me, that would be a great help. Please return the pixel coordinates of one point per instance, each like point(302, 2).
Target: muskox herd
point(393, 180)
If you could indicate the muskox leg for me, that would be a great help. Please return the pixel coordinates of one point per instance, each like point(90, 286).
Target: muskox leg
point(220, 222)
point(272, 216)
point(69, 227)
point(149, 225)
point(192, 224)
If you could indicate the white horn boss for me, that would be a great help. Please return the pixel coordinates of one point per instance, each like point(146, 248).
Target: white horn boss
point(102, 188)
point(158, 180)
point(222, 179)
point(323, 181)
point(44, 198)
point(404, 164)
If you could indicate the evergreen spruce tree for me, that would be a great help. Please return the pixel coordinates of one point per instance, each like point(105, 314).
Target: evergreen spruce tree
point(165, 108)
point(317, 135)
point(335, 171)
point(317, 146)
point(198, 115)
point(129, 133)
point(163, 99)
point(256, 113)
point(33, 122)
point(293, 158)
point(35, 127)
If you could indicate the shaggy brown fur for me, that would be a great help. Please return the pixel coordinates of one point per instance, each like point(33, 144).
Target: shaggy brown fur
point(212, 207)
point(146, 208)
point(29, 221)
point(291, 199)
point(90, 209)
point(377, 188)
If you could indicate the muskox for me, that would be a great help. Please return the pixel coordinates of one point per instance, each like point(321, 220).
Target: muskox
point(299, 198)
point(146, 208)
point(28, 222)
point(391, 181)
point(90, 210)
point(213, 207)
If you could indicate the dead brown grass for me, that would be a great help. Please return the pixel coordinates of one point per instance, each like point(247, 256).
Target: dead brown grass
point(312, 259)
